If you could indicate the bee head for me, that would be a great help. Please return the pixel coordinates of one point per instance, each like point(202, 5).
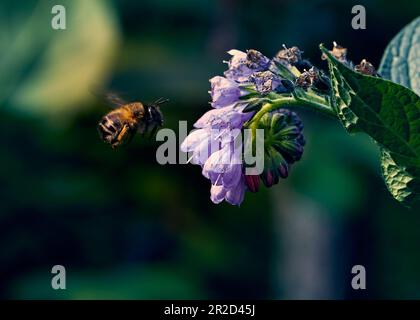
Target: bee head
point(154, 111)
point(155, 115)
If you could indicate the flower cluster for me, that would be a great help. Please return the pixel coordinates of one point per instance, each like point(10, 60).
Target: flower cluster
point(215, 146)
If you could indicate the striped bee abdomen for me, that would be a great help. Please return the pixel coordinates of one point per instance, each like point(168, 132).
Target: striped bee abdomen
point(109, 127)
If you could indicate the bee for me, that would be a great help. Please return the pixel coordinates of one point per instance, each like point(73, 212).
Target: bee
point(121, 124)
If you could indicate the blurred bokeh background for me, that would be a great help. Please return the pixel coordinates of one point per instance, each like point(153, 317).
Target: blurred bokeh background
point(126, 227)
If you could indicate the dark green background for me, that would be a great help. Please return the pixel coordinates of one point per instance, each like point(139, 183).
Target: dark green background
point(126, 227)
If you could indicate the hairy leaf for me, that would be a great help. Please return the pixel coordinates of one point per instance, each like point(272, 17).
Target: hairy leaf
point(401, 60)
point(402, 184)
point(401, 63)
point(390, 114)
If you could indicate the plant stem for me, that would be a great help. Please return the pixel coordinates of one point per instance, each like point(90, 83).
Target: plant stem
point(286, 102)
point(308, 101)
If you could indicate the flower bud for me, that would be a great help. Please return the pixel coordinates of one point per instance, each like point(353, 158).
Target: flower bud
point(283, 144)
point(252, 182)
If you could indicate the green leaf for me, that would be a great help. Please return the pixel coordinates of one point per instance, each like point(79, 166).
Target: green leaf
point(390, 114)
point(284, 72)
point(401, 60)
point(401, 63)
point(403, 186)
point(310, 96)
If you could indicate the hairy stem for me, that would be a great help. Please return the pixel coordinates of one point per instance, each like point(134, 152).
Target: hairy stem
point(287, 102)
point(308, 100)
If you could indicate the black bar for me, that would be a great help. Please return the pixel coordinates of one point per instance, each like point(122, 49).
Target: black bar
point(212, 309)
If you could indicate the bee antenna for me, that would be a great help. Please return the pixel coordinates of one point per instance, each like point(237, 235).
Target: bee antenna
point(161, 100)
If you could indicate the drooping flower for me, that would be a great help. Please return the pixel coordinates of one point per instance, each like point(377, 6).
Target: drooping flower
point(224, 92)
point(227, 179)
point(224, 170)
point(199, 144)
point(230, 116)
point(234, 196)
point(220, 158)
point(213, 146)
point(224, 167)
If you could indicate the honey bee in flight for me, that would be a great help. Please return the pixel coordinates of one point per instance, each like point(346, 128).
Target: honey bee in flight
point(121, 124)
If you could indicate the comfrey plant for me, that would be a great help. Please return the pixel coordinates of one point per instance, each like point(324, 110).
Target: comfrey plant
point(258, 94)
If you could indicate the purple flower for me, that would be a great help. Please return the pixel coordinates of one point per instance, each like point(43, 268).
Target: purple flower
point(217, 193)
point(224, 167)
point(227, 117)
point(234, 195)
point(199, 143)
point(242, 65)
point(224, 92)
point(213, 146)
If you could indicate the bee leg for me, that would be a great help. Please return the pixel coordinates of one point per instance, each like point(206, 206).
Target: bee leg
point(120, 136)
point(122, 133)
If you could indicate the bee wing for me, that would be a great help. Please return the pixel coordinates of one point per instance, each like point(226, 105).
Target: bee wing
point(114, 99)
point(109, 97)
